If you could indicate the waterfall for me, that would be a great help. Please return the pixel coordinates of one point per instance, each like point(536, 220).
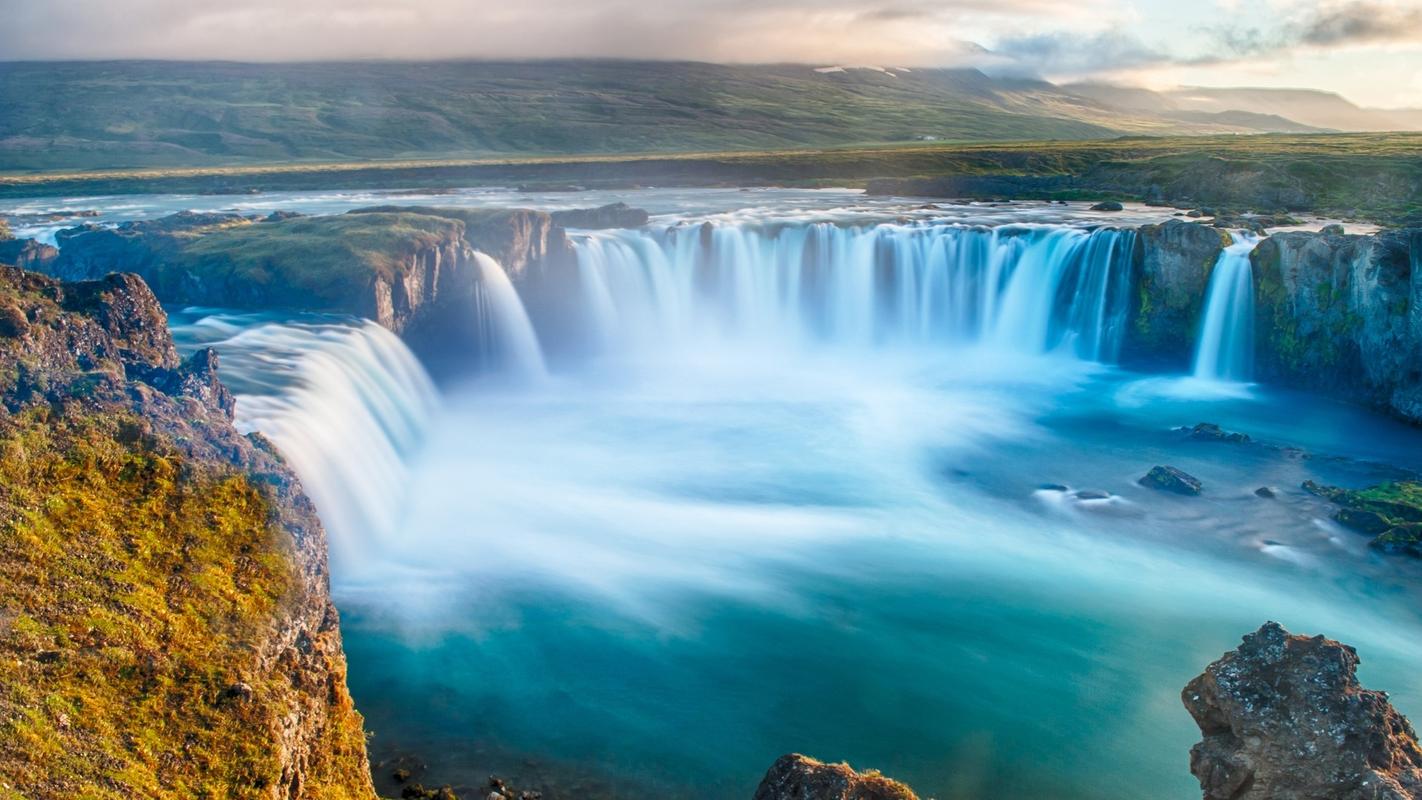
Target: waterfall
point(1024, 287)
point(1225, 349)
point(507, 340)
point(347, 404)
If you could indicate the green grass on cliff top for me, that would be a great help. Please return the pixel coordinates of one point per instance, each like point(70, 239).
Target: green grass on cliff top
point(326, 261)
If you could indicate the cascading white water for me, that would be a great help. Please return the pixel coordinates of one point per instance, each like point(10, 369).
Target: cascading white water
point(346, 404)
point(1030, 288)
point(1225, 350)
point(507, 340)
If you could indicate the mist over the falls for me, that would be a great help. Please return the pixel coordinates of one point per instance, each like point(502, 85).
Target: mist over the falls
point(866, 489)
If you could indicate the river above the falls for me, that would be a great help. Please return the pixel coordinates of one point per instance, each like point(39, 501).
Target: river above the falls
point(655, 566)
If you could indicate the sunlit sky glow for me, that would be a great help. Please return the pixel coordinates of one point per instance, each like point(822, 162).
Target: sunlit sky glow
point(1368, 50)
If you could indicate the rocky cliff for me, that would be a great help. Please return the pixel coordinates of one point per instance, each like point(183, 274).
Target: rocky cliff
point(1343, 315)
point(1283, 717)
point(409, 269)
point(1172, 264)
point(165, 625)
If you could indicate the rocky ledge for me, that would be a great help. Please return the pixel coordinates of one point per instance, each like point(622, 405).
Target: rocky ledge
point(166, 629)
point(797, 777)
point(1284, 718)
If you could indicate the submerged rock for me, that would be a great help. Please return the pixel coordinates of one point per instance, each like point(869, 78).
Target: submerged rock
point(1170, 479)
point(1284, 717)
point(1210, 432)
point(1266, 492)
point(797, 777)
point(1109, 205)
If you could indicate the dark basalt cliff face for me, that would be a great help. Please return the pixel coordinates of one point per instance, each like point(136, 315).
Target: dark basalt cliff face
point(165, 624)
point(1173, 262)
point(1343, 315)
point(1336, 314)
point(1284, 717)
point(408, 268)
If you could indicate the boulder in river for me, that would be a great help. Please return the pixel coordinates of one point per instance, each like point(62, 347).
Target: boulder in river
point(1170, 479)
point(1390, 512)
point(1109, 205)
point(1210, 432)
point(1284, 716)
point(797, 777)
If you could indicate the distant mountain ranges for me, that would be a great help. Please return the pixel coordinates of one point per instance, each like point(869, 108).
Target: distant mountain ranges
point(89, 115)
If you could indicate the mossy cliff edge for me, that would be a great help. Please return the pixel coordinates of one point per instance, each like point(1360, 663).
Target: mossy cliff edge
point(1342, 315)
point(166, 629)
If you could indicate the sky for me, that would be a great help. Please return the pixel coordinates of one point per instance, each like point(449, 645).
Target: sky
point(1370, 51)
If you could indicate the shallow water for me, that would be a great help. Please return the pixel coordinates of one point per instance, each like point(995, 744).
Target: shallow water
point(652, 570)
point(652, 577)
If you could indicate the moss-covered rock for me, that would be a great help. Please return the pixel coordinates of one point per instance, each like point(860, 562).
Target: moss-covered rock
point(1391, 513)
point(165, 625)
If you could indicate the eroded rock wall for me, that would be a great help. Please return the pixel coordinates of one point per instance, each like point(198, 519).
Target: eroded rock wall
point(1340, 314)
point(166, 628)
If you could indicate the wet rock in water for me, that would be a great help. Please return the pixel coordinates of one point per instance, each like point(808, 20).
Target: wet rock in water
point(1332, 230)
point(400, 775)
point(1390, 512)
point(1267, 492)
point(797, 777)
point(1210, 432)
point(1109, 205)
point(1051, 487)
point(1093, 494)
point(1283, 716)
point(1170, 479)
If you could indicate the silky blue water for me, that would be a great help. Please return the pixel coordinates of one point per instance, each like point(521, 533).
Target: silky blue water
point(1226, 345)
point(754, 509)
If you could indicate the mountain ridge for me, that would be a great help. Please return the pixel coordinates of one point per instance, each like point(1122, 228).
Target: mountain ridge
point(134, 114)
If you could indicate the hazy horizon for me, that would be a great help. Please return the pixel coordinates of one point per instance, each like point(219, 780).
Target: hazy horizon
point(1363, 50)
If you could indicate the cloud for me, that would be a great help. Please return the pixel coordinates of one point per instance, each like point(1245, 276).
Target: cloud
point(1362, 22)
point(1061, 53)
point(909, 32)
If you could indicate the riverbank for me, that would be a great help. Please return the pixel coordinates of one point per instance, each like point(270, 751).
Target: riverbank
point(1364, 176)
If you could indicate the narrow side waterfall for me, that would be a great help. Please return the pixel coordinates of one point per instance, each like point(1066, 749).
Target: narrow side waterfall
point(507, 340)
point(1028, 288)
point(1225, 350)
point(346, 404)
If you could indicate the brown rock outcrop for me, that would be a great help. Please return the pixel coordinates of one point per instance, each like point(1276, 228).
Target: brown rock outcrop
point(1284, 718)
point(797, 777)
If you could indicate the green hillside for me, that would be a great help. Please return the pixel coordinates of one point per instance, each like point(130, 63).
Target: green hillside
point(88, 115)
